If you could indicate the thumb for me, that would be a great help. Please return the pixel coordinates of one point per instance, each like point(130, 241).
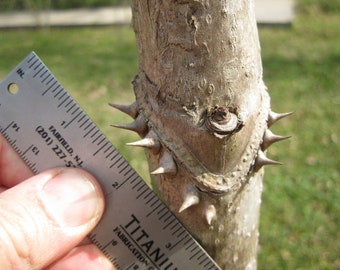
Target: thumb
point(45, 216)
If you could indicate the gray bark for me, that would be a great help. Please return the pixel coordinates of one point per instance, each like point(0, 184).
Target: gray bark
point(203, 112)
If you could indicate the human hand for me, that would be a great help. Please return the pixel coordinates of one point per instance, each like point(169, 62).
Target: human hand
point(44, 218)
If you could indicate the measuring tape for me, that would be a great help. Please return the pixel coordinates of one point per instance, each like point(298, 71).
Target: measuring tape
point(47, 128)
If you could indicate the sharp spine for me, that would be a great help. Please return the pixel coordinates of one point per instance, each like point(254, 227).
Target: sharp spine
point(166, 164)
point(269, 138)
point(209, 213)
point(150, 141)
point(131, 110)
point(273, 117)
point(190, 197)
point(139, 126)
point(261, 160)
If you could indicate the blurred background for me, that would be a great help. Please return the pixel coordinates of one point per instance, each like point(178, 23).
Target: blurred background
point(300, 213)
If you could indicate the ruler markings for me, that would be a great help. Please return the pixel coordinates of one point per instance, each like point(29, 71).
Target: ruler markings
point(45, 79)
point(180, 232)
point(127, 165)
point(56, 88)
point(58, 93)
point(115, 162)
point(151, 199)
point(207, 265)
point(99, 149)
point(115, 159)
point(204, 259)
point(72, 120)
point(169, 223)
point(75, 110)
point(83, 124)
point(180, 241)
point(173, 228)
point(37, 66)
point(49, 88)
point(136, 177)
point(70, 109)
point(116, 154)
point(193, 248)
point(31, 58)
point(90, 124)
point(10, 124)
point(194, 254)
point(148, 194)
point(200, 257)
point(39, 70)
point(152, 205)
point(63, 94)
point(87, 133)
point(107, 149)
point(161, 210)
point(188, 241)
point(170, 216)
point(130, 170)
point(131, 173)
point(28, 149)
point(108, 244)
point(36, 60)
point(154, 209)
point(136, 185)
point(82, 118)
point(65, 99)
point(191, 244)
point(121, 162)
point(50, 80)
point(182, 236)
point(113, 150)
point(43, 74)
point(68, 104)
point(102, 140)
point(84, 138)
point(164, 215)
point(95, 133)
point(142, 192)
point(122, 183)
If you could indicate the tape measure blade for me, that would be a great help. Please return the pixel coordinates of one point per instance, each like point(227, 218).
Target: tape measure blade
point(46, 126)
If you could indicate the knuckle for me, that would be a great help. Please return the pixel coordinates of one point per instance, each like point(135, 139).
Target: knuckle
point(18, 235)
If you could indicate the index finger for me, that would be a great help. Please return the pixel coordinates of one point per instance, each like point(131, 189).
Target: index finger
point(13, 169)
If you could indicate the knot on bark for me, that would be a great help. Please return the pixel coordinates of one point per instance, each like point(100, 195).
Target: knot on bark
point(223, 121)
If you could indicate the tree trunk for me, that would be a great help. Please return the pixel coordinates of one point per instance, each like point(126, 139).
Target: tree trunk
point(203, 112)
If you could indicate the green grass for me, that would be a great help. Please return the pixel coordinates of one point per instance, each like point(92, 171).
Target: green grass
point(301, 200)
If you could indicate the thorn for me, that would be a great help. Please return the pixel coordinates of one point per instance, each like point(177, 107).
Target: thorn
point(150, 141)
point(190, 197)
point(274, 117)
point(261, 160)
point(131, 110)
point(269, 138)
point(139, 126)
point(209, 213)
point(166, 164)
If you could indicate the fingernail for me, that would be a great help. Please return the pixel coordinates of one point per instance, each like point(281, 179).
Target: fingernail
point(71, 199)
